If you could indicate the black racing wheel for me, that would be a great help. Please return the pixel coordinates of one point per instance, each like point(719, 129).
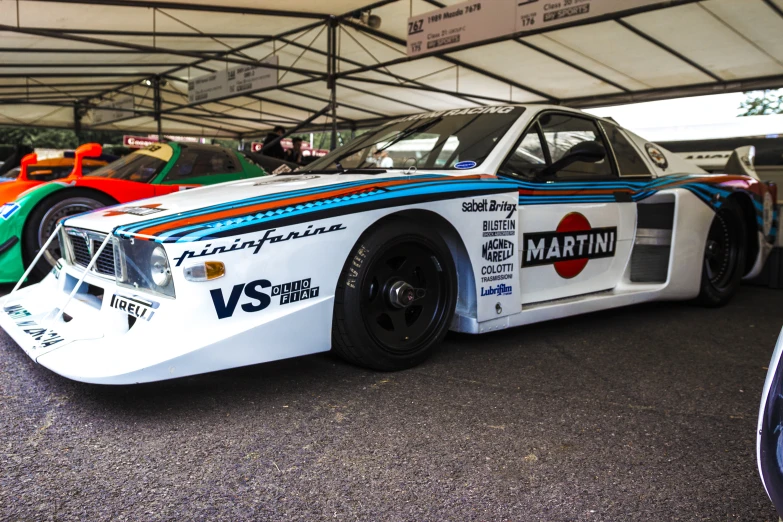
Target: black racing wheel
point(724, 256)
point(395, 297)
point(44, 218)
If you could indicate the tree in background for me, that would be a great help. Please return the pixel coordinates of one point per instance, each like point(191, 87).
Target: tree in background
point(56, 138)
point(759, 103)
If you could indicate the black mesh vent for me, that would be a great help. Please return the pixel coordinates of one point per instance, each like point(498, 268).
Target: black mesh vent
point(81, 255)
point(649, 263)
point(105, 262)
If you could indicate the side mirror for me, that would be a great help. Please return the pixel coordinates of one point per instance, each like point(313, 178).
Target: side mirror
point(587, 151)
point(28, 159)
point(90, 150)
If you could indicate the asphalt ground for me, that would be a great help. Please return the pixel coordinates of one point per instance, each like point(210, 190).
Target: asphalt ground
point(643, 413)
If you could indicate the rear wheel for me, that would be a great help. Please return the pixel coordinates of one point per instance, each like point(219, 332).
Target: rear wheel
point(44, 218)
point(395, 298)
point(724, 256)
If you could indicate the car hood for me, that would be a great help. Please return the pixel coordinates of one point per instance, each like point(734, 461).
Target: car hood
point(231, 205)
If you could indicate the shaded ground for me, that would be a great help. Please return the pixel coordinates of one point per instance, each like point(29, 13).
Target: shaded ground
point(646, 413)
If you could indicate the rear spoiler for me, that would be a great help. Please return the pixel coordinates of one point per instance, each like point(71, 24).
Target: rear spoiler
point(741, 161)
point(738, 161)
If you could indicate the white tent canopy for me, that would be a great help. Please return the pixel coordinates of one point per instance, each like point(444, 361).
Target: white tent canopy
point(59, 58)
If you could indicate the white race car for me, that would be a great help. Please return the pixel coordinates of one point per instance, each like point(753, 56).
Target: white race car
point(473, 220)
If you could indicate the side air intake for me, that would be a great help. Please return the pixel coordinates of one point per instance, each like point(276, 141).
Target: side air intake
point(653, 243)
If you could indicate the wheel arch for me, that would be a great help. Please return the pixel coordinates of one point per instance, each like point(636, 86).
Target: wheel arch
point(87, 191)
point(55, 191)
point(745, 202)
point(466, 281)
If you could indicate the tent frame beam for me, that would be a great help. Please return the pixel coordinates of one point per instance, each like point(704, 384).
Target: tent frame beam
point(164, 109)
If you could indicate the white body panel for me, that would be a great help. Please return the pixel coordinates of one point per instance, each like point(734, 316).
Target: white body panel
point(248, 316)
point(542, 283)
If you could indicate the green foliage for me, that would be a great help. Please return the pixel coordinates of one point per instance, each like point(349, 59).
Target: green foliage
point(758, 103)
point(56, 138)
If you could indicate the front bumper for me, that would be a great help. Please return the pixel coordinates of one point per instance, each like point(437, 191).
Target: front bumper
point(98, 343)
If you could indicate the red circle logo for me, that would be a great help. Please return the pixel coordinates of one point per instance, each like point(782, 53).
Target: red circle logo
point(573, 222)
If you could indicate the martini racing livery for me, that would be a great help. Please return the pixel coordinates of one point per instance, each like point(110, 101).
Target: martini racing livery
point(474, 220)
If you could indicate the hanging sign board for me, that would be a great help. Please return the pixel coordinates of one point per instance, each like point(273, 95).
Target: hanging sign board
point(112, 110)
point(232, 81)
point(460, 24)
point(478, 20)
point(139, 142)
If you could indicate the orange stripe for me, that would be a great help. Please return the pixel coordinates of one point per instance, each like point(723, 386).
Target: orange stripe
point(242, 211)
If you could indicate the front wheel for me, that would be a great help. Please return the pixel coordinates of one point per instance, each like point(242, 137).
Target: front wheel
point(724, 256)
point(44, 218)
point(395, 297)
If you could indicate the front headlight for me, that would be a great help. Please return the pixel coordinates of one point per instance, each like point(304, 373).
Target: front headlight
point(143, 265)
point(159, 267)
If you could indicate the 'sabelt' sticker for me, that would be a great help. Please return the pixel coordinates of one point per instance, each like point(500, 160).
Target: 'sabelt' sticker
point(465, 165)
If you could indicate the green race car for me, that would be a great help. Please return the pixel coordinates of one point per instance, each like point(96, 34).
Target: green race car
point(27, 220)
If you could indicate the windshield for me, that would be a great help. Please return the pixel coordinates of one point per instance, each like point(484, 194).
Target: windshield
point(141, 166)
point(456, 139)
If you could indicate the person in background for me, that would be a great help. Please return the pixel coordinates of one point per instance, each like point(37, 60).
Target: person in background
point(295, 154)
point(382, 159)
point(276, 150)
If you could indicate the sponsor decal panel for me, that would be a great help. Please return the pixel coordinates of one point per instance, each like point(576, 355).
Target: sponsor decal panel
point(45, 336)
point(494, 109)
point(499, 272)
point(255, 245)
point(8, 210)
point(462, 165)
point(656, 155)
point(135, 306)
point(497, 250)
point(497, 290)
point(489, 205)
point(295, 291)
point(143, 210)
point(257, 295)
point(499, 227)
point(570, 247)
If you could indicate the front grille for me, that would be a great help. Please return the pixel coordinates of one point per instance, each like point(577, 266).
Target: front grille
point(84, 243)
point(81, 252)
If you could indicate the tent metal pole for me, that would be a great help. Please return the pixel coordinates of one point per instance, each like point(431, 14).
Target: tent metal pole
point(156, 106)
point(331, 80)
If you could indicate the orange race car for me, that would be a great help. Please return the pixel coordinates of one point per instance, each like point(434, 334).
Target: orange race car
point(33, 172)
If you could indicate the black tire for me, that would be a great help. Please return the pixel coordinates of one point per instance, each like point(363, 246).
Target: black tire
point(381, 323)
point(44, 218)
point(724, 256)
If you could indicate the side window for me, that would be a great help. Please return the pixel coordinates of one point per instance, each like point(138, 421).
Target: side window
point(628, 159)
point(528, 157)
point(194, 163)
point(563, 131)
